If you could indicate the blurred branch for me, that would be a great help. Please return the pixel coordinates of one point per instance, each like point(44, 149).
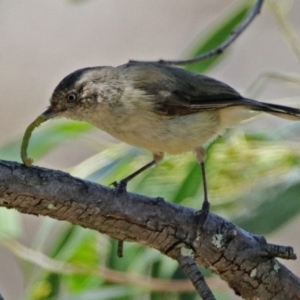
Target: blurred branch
point(265, 77)
point(245, 261)
point(220, 49)
point(61, 267)
point(280, 11)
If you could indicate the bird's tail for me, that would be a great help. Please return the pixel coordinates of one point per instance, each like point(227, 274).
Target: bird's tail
point(281, 111)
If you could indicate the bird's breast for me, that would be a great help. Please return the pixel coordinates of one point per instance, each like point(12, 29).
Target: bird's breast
point(145, 129)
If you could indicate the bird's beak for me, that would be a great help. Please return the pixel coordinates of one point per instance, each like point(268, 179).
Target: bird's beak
point(46, 115)
point(49, 114)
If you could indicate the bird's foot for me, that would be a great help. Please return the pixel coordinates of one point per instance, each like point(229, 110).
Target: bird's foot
point(120, 187)
point(202, 214)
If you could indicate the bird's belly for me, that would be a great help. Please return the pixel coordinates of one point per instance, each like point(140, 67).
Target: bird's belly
point(176, 135)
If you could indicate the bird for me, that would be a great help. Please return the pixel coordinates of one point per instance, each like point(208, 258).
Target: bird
point(157, 107)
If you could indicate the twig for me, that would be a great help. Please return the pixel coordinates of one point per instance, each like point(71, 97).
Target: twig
point(259, 83)
point(114, 276)
point(120, 248)
point(220, 49)
point(188, 265)
point(287, 27)
point(280, 251)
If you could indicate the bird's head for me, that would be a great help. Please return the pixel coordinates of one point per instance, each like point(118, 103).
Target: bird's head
point(76, 97)
point(77, 94)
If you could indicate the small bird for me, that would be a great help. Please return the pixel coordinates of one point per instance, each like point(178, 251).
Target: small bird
point(161, 108)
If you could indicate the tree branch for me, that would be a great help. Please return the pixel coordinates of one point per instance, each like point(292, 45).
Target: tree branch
point(220, 49)
point(246, 262)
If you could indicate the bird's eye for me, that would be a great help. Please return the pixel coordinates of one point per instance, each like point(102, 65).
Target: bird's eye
point(72, 97)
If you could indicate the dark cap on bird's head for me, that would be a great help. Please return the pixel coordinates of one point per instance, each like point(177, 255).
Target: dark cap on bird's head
point(66, 92)
point(73, 91)
point(68, 82)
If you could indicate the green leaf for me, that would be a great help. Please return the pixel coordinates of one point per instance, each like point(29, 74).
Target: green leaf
point(10, 223)
point(190, 184)
point(216, 37)
point(70, 241)
point(276, 206)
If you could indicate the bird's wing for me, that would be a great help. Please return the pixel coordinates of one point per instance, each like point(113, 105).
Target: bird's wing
point(177, 92)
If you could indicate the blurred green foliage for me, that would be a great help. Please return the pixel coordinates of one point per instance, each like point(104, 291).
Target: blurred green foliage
point(219, 34)
point(253, 179)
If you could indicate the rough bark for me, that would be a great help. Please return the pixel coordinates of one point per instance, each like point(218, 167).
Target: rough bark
point(245, 261)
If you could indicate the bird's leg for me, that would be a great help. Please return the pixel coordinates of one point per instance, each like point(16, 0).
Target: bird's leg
point(120, 187)
point(203, 213)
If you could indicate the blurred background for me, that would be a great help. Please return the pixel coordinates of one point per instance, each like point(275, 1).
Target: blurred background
point(253, 170)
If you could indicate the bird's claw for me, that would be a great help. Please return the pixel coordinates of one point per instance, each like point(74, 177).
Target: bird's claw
point(115, 183)
point(202, 214)
point(120, 187)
